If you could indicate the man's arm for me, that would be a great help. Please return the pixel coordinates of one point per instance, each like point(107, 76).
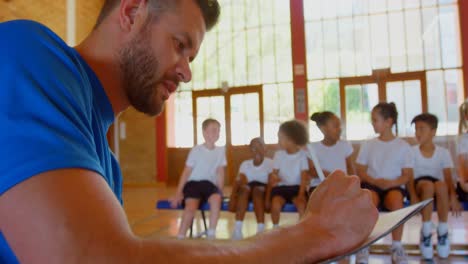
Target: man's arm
point(77, 219)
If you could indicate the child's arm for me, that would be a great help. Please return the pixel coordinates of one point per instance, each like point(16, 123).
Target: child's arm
point(221, 171)
point(350, 166)
point(412, 190)
point(313, 170)
point(453, 201)
point(462, 172)
point(243, 179)
point(362, 173)
point(273, 180)
point(404, 179)
point(305, 181)
point(175, 201)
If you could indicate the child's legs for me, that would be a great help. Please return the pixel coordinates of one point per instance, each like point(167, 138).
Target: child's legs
point(258, 199)
point(425, 190)
point(191, 207)
point(300, 206)
point(215, 207)
point(442, 198)
point(393, 201)
point(242, 201)
point(375, 198)
point(277, 204)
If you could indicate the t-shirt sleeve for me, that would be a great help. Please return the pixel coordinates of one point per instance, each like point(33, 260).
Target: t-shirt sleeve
point(276, 161)
point(192, 157)
point(304, 163)
point(462, 146)
point(223, 161)
point(408, 157)
point(45, 111)
point(362, 157)
point(447, 161)
point(348, 149)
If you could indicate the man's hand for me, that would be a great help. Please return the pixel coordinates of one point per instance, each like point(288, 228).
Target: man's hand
point(343, 211)
point(176, 200)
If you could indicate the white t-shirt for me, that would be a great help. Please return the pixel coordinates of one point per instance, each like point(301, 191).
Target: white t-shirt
point(257, 173)
point(205, 162)
point(432, 166)
point(385, 160)
point(334, 157)
point(290, 166)
point(462, 146)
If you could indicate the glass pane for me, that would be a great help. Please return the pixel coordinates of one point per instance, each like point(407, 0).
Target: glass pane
point(397, 42)
point(281, 12)
point(454, 90)
point(240, 59)
point(312, 9)
point(278, 106)
point(360, 99)
point(431, 38)
point(346, 42)
point(211, 61)
point(253, 18)
point(323, 96)
point(315, 52)
point(413, 40)
point(332, 59)
point(283, 54)
point(407, 97)
point(362, 45)
point(329, 8)
point(378, 6)
point(428, 2)
point(395, 5)
point(211, 107)
point(225, 60)
point(379, 36)
point(360, 7)
point(254, 73)
point(268, 55)
point(449, 25)
point(344, 8)
point(183, 120)
point(437, 104)
point(411, 3)
point(245, 118)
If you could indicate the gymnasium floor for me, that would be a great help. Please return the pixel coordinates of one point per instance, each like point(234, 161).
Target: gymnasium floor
point(148, 222)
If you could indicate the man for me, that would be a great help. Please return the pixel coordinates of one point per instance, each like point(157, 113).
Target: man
point(60, 187)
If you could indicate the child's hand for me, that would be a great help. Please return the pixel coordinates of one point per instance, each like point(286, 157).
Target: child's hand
point(273, 180)
point(383, 184)
point(176, 200)
point(455, 206)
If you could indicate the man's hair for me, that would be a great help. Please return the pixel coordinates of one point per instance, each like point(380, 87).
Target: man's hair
point(427, 118)
point(209, 121)
point(210, 9)
point(296, 131)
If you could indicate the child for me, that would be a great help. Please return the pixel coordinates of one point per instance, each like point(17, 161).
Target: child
point(332, 153)
point(432, 178)
point(288, 182)
point(202, 179)
point(252, 181)
point(462, 153)
point(384, 165)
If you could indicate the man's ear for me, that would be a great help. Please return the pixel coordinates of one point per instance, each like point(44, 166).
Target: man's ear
point(128, 12)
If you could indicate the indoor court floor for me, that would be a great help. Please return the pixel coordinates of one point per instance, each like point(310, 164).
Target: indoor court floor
point(147, 222)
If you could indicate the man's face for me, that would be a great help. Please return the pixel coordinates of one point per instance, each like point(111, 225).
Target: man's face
point(157, 57)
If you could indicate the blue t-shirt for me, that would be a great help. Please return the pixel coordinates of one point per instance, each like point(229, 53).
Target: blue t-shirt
point(54, 113)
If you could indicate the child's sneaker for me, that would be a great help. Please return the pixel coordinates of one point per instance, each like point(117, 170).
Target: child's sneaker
point(237, 234)
point(425, 246)
point(211, 234)
point(362, 257)
point(443, 245)
point(399, 255)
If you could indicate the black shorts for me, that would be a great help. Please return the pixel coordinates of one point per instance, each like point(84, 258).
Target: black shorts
point(254, 184)
point(462, 195)
point(201, 190)
point(288, 192)
point(425, 178)
point(383, 193)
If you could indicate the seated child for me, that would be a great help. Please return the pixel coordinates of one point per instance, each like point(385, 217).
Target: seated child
point(332, 153)
point(202, 179)
point(432, 178)
point(288, 182)
point(251, 186)
point(384, 165)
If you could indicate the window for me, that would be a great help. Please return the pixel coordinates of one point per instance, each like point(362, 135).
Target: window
point(250, 46)
point(352, 38)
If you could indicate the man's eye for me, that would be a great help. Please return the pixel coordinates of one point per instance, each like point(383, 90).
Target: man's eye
point(180, 46)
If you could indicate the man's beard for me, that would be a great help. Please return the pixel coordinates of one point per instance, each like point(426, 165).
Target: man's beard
point(139, 69)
